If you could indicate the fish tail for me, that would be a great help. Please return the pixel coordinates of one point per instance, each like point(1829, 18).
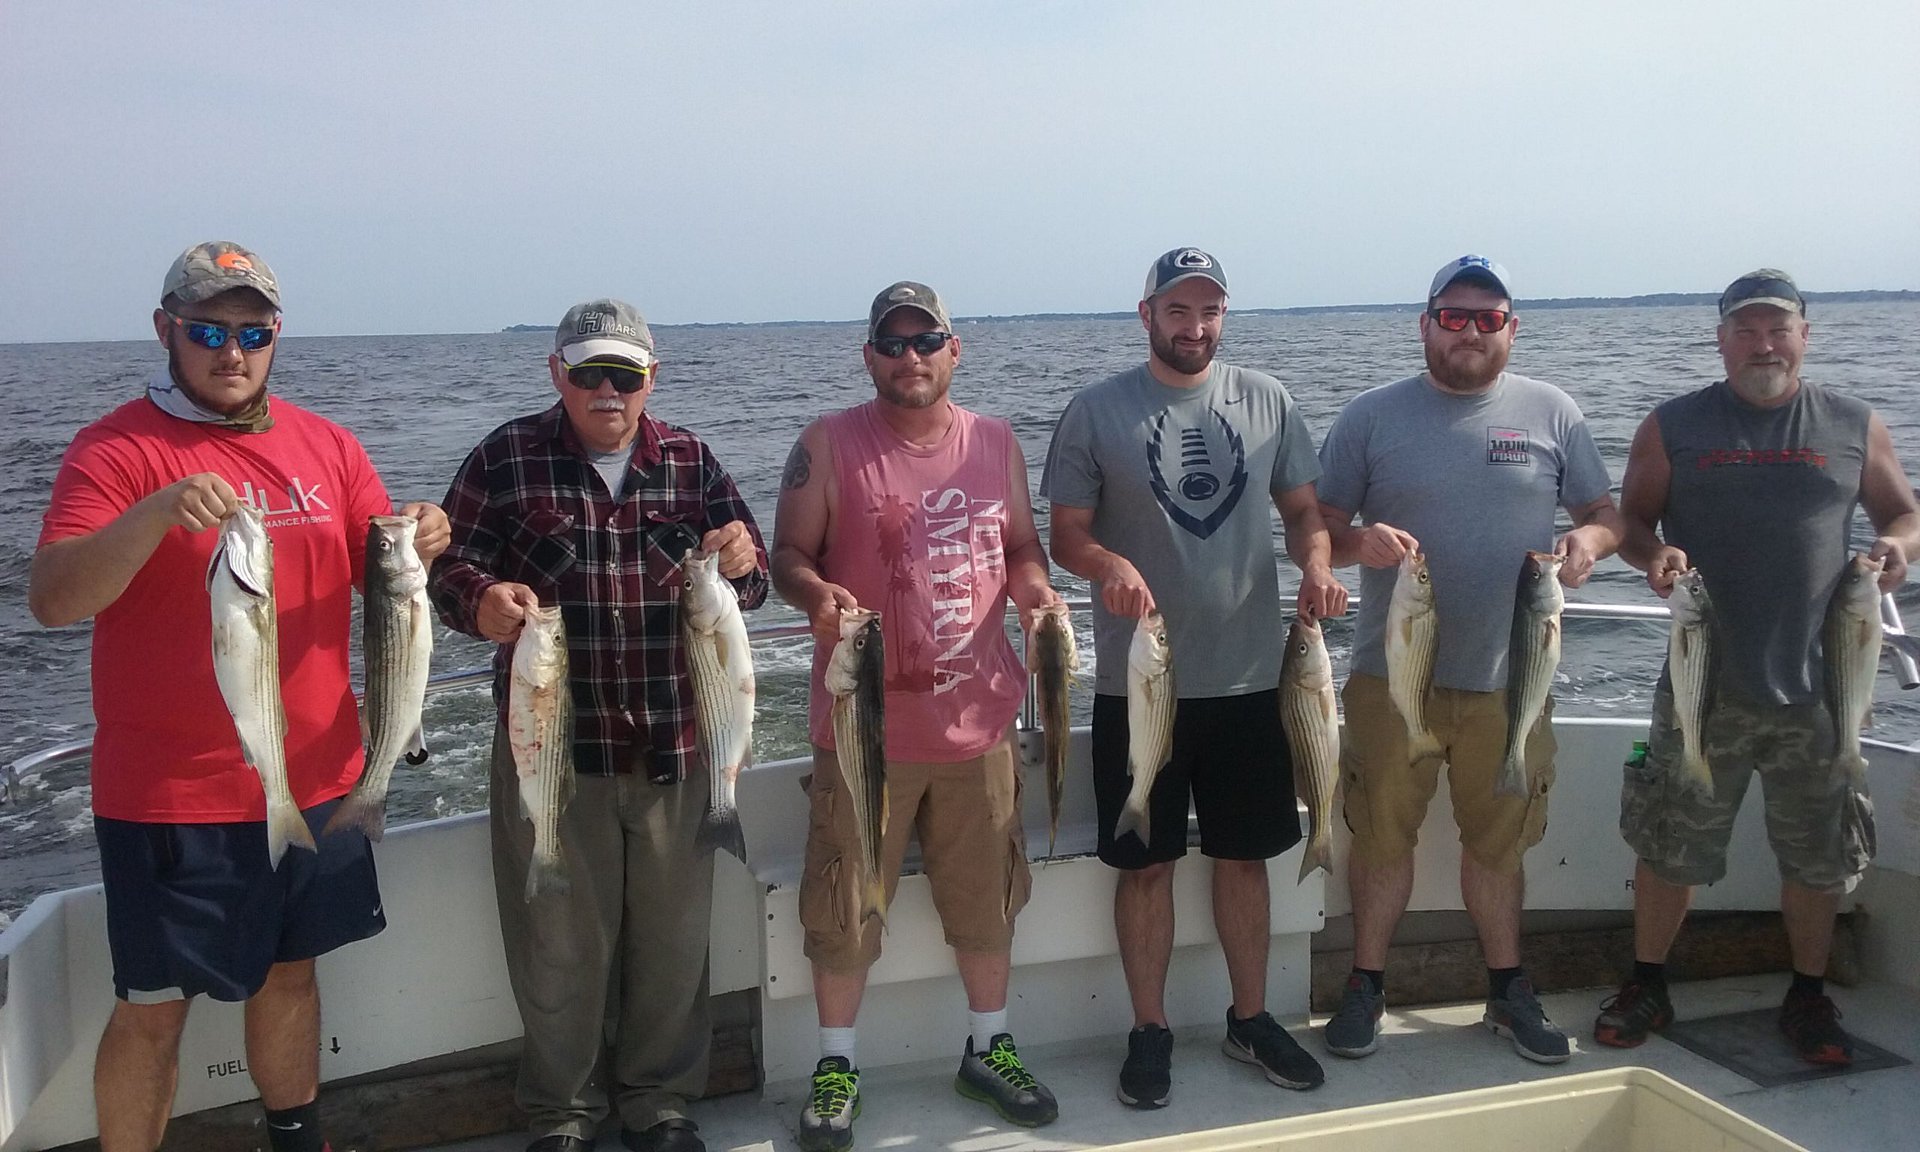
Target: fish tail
point(547, 874)
point(873, 899)
point(1694, 769)
point(1053, 831)
point(285, 826)
point(1423, 745)
point(362, 811)
point(1134, 818)
point(1851, 767)
point(1512, 780)
point(722, 830)
point(1318, 856)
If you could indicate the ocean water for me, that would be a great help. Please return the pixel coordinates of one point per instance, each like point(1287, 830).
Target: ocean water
point(419, 403)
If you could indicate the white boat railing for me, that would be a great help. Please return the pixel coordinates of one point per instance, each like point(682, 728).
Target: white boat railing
point(1902, 648)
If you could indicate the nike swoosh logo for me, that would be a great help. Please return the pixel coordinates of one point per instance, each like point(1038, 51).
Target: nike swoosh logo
point(295, 1127)
point(1240, 399)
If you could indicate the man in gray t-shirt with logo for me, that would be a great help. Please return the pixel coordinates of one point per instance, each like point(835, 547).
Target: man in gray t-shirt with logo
point(1466, 464)
point(1152, 478)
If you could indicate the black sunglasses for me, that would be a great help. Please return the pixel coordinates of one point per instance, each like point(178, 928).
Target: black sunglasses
point(625, 381)
point(1488, 320)
point(894, 347)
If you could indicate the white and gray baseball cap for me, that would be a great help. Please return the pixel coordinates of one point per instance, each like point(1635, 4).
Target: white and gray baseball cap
point(604, 330)
point(906, 294)
point(1471, 268)
point(1182, 264)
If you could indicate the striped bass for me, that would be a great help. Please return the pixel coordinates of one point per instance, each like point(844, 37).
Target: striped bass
point(1412, 631)
point(1690, 672)
point(1053, 658)
point(1533, 653)
point(1151, 706)
point(1311, 720)
point(856, 676)
point(720, 662)
point(1850, 639)
point(540, 731)
point(397, 643)
point(246, 665)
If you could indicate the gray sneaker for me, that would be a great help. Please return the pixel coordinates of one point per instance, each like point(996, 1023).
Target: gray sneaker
point(998, 1078)
point(1354, 1030)
point(826, 1124)
point(1519, 1017)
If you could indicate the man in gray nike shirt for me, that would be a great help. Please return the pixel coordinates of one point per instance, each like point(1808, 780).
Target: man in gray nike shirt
point(1467, 464)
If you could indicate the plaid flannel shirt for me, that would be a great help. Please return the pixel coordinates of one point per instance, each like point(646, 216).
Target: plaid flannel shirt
point(527, 507)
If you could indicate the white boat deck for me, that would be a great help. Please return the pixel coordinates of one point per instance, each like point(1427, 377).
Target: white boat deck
point(1424, 1052)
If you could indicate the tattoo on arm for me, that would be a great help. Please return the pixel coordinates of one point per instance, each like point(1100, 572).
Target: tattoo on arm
point(799, 467)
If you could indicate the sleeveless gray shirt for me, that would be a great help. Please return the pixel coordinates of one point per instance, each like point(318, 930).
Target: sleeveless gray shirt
point(1761, 500)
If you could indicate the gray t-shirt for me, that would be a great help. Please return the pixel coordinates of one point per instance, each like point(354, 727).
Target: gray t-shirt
point(1476, 479)
point(1168, 473)
point(612, 467)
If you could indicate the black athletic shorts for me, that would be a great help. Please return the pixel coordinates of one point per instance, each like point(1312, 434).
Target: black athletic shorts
point(193, 909)
point(1229, 755)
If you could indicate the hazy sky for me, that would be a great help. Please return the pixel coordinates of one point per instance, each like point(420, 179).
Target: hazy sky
point(447, 167)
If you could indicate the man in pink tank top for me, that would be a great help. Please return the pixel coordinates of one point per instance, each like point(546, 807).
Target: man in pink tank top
point(916, 508)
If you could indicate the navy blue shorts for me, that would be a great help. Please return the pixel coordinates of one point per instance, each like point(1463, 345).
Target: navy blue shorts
point(194, 909)
point(1229, 754)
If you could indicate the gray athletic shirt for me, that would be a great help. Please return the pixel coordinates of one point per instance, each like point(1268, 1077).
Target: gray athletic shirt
point(1476, 479)
point(1169, 475)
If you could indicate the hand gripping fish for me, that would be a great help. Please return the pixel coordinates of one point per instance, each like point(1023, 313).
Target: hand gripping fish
point(1850, 640)
point(1053, 658)
point(721, 664)
point(1533, 653)
point(540, 732)
point(1690, 674)
point(246, 665)
point(856, 676)
point(1412, 631)
point(1151, 706)
point(1311, 721)
point(397, 646)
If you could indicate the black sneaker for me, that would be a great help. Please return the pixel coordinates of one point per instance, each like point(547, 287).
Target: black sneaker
point(1146, 1079)
point(1629, 1015)
point(826, 1124)
point(997, 1077)
point(1261, 1041)
point(1812, 1026)
point(1354, 1030)
point(1519, 1017)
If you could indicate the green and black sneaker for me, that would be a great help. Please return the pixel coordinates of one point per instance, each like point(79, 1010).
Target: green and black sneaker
point(997, 1077)
point(826, 1125)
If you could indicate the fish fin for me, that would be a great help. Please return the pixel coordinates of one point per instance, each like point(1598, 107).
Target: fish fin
point(360, 811)
point(286, 827)
point(718, 831)
point(417, 748)
point(213, 563)
point(547, 876)
point(1136, 821)
point(1317, 857)
point(873, 900)
point(1853, 769)
point(1424, 746)
point(1512, 780)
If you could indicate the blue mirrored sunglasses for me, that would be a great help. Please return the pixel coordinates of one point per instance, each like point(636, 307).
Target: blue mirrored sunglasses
point(207, 334)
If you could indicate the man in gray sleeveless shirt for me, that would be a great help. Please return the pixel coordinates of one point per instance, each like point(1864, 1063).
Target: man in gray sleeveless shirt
point(1466, 464)
point(1752, 482)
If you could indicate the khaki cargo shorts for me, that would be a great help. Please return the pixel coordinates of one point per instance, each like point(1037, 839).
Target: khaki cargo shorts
point(1387, 798)
point(1820, 828)
point(972, 848)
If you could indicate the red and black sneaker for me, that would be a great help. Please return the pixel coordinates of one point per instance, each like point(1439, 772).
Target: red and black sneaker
point(1630, 1014)
point(1812, 1026)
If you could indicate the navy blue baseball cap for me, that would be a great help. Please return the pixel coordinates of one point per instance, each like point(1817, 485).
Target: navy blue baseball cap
point(1181, 264)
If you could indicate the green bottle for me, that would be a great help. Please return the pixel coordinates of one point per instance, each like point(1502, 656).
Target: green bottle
point(1638, 759)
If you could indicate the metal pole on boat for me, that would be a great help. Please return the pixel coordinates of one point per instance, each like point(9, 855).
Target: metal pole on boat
point(1902, 647)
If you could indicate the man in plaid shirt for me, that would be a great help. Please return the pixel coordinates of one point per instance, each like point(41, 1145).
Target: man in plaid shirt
point(592, 504)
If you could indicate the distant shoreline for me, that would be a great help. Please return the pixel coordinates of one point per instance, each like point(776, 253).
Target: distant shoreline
point(1650, 300)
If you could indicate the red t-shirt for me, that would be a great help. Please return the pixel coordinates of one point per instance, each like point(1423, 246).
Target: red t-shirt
point(164, 749)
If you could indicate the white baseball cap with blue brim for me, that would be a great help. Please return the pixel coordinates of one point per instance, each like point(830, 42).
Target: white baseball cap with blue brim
point(1476, 268)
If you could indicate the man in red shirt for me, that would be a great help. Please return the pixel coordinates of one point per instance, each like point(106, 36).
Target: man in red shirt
point(193, 903)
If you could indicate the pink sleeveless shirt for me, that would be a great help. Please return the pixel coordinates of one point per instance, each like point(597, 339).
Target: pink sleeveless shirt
point(918, 535)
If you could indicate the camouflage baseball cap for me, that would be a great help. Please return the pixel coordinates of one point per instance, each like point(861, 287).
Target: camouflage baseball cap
point(604, 330)
point(206, 270)
point(906, 294)
point(1762, 286)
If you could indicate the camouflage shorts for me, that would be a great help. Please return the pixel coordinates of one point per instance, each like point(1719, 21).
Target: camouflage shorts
point(1821, 829)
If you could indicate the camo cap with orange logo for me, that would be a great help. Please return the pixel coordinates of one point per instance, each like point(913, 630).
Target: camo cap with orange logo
point(206, 270)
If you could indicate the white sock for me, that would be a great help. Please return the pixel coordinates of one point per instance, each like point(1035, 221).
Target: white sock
point(986, 1025)
point(838, 1042)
